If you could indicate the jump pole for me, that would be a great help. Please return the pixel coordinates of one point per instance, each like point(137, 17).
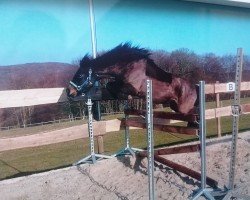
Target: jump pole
point(93, 157)
point(202, 135)
point(150, 137)
point(236, 114)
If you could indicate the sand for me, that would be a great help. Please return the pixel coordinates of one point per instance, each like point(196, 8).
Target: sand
point(126, 177)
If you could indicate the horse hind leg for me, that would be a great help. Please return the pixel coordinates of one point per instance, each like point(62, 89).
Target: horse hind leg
point(194, 124)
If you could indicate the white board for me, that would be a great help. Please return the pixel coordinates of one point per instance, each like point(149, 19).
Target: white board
point(31, 97)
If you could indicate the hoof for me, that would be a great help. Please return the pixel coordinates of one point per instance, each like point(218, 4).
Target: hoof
point(193, 124)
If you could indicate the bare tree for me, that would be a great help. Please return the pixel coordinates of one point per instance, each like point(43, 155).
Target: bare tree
point(23, 115)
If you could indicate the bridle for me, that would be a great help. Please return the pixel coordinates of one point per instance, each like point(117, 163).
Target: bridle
point(88, 83)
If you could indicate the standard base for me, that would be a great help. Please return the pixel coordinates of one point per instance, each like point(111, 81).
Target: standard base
point(127, 151)
point(225, 194)
point(203, 192)
point(92, 159)
point(230, 195)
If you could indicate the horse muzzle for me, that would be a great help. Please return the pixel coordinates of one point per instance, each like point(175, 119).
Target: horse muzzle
point(71, 91)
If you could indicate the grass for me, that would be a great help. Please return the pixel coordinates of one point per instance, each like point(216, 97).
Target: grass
point(39, 129)
point(226, 103)
point(26, 161)
point(32, 160)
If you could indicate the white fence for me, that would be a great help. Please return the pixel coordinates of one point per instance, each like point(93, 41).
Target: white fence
point(31, 97)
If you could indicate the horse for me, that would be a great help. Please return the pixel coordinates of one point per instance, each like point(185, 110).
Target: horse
point(127, 68)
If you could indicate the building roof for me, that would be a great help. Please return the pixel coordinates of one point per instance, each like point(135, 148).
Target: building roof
point(235, 3)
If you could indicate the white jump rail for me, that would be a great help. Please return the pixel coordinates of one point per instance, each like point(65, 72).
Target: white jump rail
point(32, 97)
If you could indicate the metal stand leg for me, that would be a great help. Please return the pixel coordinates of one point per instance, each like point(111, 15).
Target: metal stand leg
point(127, 150)
point(150, 137)
point(228, 193)
point(236, 115)
point(202, 134)
point(93, 157)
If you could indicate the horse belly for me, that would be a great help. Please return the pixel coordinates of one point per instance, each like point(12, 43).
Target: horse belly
point(162, 92)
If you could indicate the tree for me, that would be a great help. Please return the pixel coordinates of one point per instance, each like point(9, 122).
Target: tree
point(212, 68)
point(228, 63)
point(23, 115)
point(184, 62)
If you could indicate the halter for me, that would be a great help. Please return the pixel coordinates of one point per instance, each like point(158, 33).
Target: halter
point(88, 83)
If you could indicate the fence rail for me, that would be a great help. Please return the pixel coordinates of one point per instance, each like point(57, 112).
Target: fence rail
point(52, 137)
point(222, 88)
point(29, 97)
point(70, 119)
point(41, 123)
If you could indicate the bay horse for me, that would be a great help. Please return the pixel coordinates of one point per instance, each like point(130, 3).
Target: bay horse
point(128, 68)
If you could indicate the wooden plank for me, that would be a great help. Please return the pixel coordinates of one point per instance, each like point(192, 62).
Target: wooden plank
point(209, 89)
point(100, 144)
point(31, 97)
point(164, 115)
point(52, 137)
point(183, 169)
point(222, 87)
point(176, 129)
point(218, 119)
point(159, 127)
point(113, 125)
point(245, 108)
point(210, 113)
point(173, 150)
point(223, 111)
point(245, 86)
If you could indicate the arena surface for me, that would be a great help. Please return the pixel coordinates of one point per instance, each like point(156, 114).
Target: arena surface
point(126, 178)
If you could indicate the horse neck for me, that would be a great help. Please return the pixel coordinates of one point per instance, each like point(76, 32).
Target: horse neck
point(108, 68)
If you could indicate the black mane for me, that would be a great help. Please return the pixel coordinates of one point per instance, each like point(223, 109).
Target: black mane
point(123, 53)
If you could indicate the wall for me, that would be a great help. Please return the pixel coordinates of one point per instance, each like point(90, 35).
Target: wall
point(42, 31)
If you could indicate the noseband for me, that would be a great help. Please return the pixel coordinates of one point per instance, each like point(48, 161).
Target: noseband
point(87, 84)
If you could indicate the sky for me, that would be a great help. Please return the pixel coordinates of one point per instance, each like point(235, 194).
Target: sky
point(59, 30)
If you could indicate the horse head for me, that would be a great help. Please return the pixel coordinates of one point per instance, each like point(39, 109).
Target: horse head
point(183, 96)
point(83, 79)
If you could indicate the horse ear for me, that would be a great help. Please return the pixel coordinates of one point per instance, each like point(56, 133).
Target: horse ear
point(152, 70)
